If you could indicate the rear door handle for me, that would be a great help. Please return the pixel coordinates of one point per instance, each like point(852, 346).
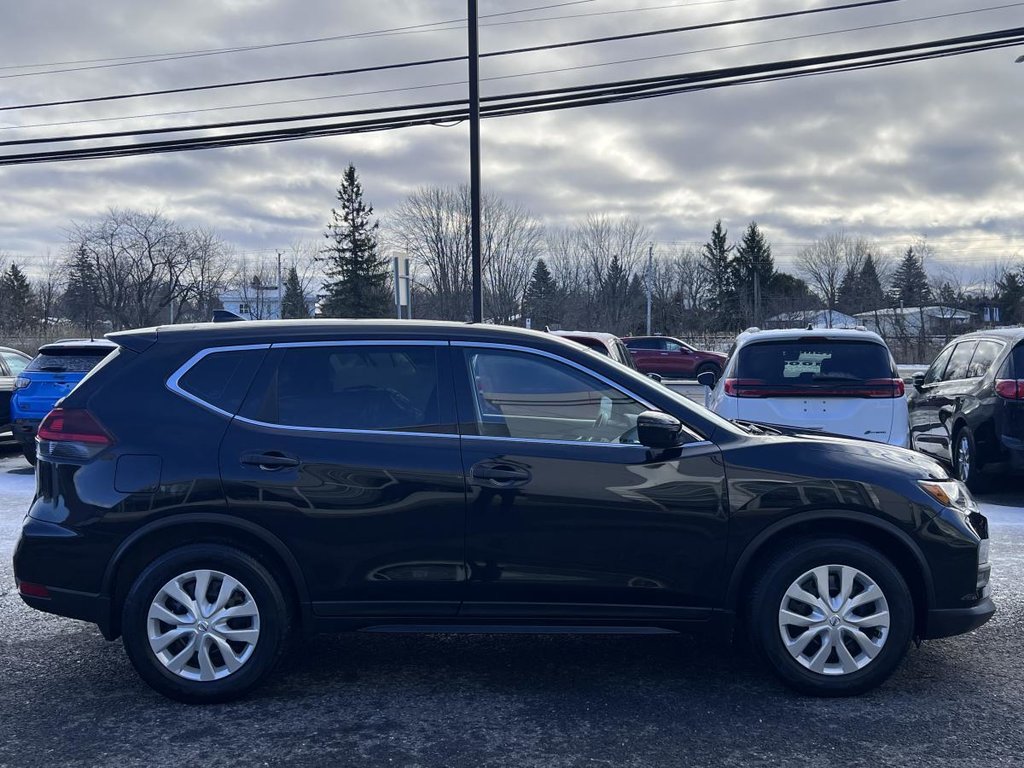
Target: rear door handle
point(270, 461)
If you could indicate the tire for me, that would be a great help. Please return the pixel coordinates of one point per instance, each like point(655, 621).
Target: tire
point(29, 454)
point(709, 367)
point(966, 465)
point(256, 604)
point(877, 654)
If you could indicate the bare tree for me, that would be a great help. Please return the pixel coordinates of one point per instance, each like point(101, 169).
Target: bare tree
point(49, 288)
point(824, 264)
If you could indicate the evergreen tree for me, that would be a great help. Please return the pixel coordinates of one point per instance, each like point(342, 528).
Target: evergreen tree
point(80, 295)
point(1010, 297)
point(872, 296)
point(716, 260)
point(753, 270)
point(357, 275)
point(541, 302)
point(19, 305)
point(293, 304)
point(910, 283)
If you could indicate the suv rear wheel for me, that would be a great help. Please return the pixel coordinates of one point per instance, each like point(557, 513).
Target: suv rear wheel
point(832, 617)
point(965, 459)
point(710, 367)
point(204, 623)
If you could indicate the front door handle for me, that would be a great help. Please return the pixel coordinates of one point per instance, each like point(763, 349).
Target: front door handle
point(500, 474)
point(270, 461)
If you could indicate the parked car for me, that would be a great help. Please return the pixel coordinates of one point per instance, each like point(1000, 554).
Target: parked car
point(12, 363)
point(607, 344)
point(671, 358)
point(968, 408)
point(47, 378)
point(840, 382)
point(210, 488)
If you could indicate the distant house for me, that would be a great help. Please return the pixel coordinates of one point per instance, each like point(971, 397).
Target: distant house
point(259, 302)
point(816, 318)
point(936, 320)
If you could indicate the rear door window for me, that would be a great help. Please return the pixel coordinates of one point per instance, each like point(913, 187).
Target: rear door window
point(645, 344)
point(960, 361)
point(15, 363)
point(808, 366)
point(984, 356)
point(353, 387)
point(68, 359)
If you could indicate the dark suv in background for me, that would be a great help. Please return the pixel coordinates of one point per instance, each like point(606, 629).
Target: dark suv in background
point(671, 358)
point(968, 408)
point(207, 489)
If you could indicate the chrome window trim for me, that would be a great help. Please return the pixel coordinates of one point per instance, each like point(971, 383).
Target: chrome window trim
point(174, 381)
point(344, 431)
point(174, 385)
point(558, 358)
point(361, 343)
point(544, 441)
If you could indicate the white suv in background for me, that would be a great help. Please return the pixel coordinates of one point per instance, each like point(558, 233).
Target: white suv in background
point(842, 382)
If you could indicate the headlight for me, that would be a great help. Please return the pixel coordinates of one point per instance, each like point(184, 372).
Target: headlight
point(950, 493)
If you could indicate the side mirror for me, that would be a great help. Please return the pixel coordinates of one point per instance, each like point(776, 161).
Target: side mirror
point(708, 379)
point(655, 376)
point(918, 380)
point(658, 430)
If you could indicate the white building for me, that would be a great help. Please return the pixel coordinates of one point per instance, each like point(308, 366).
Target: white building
point(261, 302)
point(936, 320)
point(816, 318)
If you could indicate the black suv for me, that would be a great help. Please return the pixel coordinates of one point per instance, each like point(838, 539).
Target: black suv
point(208, 489)
point(968, 409)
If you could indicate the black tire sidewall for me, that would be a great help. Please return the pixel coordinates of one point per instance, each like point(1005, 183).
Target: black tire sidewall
point(709, 367)
point(785, 569)
point(973, 480)
point(265, 591)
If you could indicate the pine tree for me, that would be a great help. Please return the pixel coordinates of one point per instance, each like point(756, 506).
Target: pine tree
point(753, 270)
point(717, 264)
point(910, 283)
point(872, 296)
point(293, 304)
point(1010, 297)
point(80, 295)
point(541, 302)
point(357, 275)
point(19, 303)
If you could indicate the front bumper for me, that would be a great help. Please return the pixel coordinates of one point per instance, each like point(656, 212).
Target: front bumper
point(947, 622)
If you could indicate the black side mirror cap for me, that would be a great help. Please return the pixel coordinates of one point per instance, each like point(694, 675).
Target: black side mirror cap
point(708, 379)
point(656, 376)
point(658, 430)
point(918, 380)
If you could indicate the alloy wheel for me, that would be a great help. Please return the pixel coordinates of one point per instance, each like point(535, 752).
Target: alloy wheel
point(834, 620)
point(203, 625)
point(963, 457)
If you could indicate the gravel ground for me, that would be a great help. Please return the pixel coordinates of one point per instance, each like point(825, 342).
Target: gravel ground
point(67, 697)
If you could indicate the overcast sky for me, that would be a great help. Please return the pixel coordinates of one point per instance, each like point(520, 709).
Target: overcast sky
point(929, 149)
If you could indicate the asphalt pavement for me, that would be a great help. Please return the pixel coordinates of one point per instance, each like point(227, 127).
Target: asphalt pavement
point(68, 697)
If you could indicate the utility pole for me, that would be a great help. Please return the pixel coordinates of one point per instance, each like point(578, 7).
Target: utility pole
point(474, 160)
point(280, 290)
point(650, 265)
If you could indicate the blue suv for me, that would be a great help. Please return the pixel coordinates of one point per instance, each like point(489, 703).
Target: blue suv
point(52, 374)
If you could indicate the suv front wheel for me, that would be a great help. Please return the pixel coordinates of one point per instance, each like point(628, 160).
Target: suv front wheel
point(832, 617)
point(204, 623)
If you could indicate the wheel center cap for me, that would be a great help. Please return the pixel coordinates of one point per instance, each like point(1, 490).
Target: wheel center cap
point(203, 626)
point(834, 621)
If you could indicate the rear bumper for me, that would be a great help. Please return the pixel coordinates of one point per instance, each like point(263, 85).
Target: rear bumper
point(75, 605)
point(957, 621)
point(24, 431)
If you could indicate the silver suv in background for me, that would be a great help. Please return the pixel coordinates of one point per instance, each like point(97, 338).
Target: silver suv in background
point(841, 382)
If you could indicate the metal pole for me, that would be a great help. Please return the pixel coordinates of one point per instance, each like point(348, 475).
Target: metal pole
point(474, 160)
point(398, 289)
point(408, 288)
point(650, 264)
point(280, 289)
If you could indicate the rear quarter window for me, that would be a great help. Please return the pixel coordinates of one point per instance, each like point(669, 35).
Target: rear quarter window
point(222, 379)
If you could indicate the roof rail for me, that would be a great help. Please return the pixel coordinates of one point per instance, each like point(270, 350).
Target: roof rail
point(752, 329)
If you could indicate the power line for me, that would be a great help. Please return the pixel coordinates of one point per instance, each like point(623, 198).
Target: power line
point(791, 38)
point(450, 59)
point(122, 61)
point(565, 98)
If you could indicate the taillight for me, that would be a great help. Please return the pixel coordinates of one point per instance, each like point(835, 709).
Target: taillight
point(1011, 389)
point(21, 382)
point(744, 387)
point(71, 433)
point(881, 388)
point(891, 388)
